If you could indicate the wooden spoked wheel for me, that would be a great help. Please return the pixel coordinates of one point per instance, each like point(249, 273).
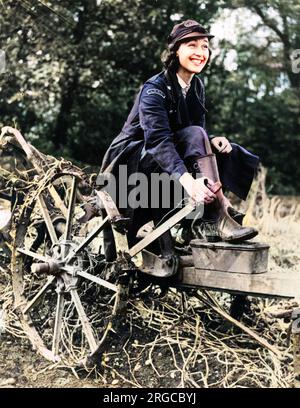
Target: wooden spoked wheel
point(66, 296)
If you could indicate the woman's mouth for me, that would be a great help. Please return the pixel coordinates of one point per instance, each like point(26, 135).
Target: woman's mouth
point(198, 61)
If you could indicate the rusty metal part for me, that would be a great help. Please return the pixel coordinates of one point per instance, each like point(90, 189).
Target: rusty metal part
point(155, 265)
point(91, 211)
point(160, 267)
point(117, 221)
point(249, 257)
point(48, 268)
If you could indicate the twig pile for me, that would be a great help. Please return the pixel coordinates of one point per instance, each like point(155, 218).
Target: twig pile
point(176, 345)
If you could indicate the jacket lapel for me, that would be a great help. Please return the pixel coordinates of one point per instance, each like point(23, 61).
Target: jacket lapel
point(189, 109)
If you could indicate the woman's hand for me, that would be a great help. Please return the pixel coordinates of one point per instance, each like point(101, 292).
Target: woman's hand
point(196, 188)
point(221, 144)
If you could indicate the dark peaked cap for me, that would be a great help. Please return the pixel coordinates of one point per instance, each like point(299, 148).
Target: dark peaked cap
point(187, 29)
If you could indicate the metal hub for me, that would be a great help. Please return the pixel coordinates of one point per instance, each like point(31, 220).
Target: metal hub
point(61, 265)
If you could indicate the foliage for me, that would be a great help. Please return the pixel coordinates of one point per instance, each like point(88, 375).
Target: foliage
point(73, 69)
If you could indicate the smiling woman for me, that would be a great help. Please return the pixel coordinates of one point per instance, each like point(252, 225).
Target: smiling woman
point(165, 133)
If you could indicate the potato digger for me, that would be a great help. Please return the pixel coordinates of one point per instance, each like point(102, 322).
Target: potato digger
point(69, 300)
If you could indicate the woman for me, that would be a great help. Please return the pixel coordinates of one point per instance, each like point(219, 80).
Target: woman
point(165, 132)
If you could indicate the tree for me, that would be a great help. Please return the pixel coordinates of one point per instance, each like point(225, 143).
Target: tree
point(74, 68)
point(260, 98)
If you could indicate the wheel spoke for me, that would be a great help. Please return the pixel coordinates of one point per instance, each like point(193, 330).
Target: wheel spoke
point(47, 219)
point(35, 299)
point(58, 321)
point(86, 327)
point(32, 254)
point(98, 280)
point(70, 209)
point(58, 201)
point(87, 240)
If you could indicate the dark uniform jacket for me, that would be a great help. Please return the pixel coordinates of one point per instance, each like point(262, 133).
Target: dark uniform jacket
point(159, 110)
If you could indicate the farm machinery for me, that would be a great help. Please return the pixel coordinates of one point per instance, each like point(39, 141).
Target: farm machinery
point(69, 300)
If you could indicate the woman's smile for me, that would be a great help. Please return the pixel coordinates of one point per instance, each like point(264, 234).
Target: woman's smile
point(198, 61)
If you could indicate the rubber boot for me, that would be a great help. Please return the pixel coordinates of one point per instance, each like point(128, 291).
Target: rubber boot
point(216, 213)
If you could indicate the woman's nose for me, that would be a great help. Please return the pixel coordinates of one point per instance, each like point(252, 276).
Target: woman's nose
point(200, 52)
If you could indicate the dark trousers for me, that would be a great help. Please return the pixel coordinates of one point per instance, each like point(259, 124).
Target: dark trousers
point(236, 170)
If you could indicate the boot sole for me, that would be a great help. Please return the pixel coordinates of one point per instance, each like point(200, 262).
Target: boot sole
point(242, 238)
point(214, 238)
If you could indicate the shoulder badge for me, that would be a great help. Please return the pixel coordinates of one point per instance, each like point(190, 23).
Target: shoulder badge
point(155, 91)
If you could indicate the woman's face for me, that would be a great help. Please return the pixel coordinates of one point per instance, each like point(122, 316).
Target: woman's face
point(193, 55)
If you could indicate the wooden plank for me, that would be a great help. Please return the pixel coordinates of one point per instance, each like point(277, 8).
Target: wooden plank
point(265, 284)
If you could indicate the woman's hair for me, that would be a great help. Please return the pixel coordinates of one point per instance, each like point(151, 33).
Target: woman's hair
point(170, 59)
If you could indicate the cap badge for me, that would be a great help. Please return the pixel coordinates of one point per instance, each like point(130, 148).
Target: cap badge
point(190, 23)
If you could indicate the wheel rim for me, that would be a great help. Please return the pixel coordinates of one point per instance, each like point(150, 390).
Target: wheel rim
point(65, 306)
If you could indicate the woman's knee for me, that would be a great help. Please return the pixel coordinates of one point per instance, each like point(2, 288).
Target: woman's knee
point(191, 132)
point(191, 141)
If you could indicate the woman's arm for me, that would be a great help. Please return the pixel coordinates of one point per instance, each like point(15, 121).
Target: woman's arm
point(159, 138)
